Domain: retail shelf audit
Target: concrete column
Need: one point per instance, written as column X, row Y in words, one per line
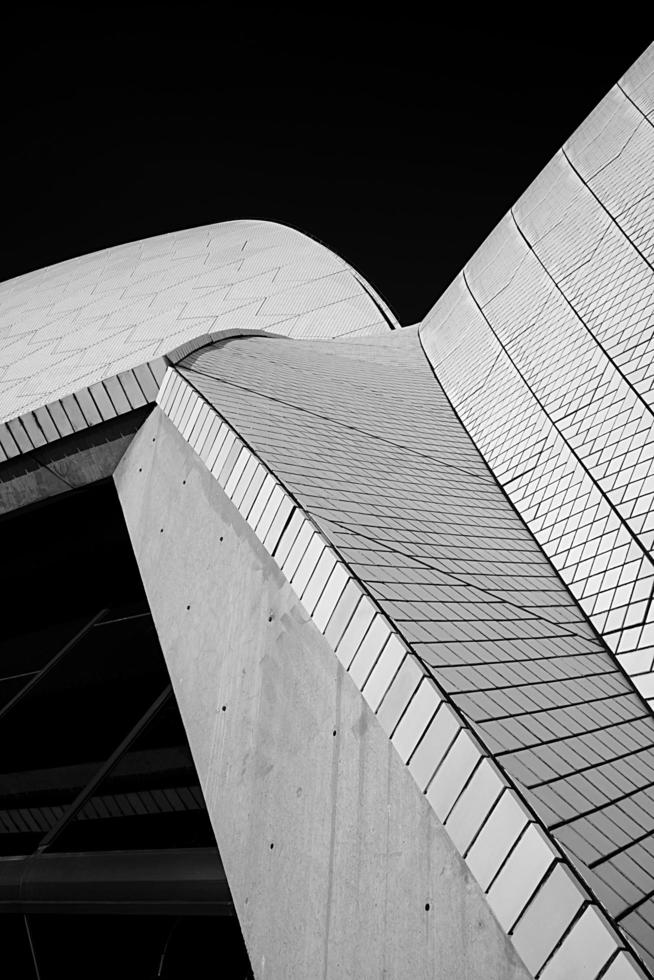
column 337, row 865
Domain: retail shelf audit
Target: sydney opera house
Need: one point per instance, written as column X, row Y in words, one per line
column 328, row 643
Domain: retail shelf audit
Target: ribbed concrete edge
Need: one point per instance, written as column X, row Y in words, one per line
column 557, row 928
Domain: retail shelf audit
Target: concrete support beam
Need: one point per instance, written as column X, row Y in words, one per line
column 175, row 881
column 70, row 463
column 337, row 865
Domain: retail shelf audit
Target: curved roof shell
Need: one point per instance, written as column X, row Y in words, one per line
column 69, row 331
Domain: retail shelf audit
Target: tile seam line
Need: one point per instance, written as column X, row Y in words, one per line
column 622, row 149
column 484, row 380
column 610, row 962
column 517, row 660
column 594, row 250
column 630, row 753
column 539, row 711
column 500, row 600
column 634, row 103
column 325, row 418
column 585, row 905
column 634, row 537
column 602, row 806
column 634, row 907
column 606, row 210
column 549, row 681
column 647, row 408
column 563, row 738
column 509, row 781
column 617, row 851
column 596, row 634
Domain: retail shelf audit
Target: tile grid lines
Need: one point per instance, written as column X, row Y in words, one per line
column 460, row 580
column 610, row 359
column 354, row 428
column 222, row 398
column 618, row 85
column 602, row 806
column 648, row 708
column 563, row 738
column 635, row 905
column 418, row 561
column 629, row 753
column 447, row 760
column 606, row 210
column 613, row 509
column 618, row 850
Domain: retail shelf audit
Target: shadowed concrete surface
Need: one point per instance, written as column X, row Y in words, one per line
column 68, row 464
column 337, row 865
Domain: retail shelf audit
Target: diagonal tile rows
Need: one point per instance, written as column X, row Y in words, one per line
column 364, row 439
column 545, row 347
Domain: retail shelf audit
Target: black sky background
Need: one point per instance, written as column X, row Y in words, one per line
column 398, row 145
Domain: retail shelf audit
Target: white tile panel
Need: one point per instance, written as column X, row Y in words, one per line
column 384, row 671
column 545, row 347
column 585, row 951
column 521, row 873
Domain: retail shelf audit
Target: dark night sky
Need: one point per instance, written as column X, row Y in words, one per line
column 398, row 147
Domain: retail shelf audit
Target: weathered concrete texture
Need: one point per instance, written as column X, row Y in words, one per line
column 336, row 863
column 70, row 463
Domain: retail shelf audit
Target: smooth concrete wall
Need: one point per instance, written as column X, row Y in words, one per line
column 337, row 865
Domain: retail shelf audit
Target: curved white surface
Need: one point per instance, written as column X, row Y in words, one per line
column 545, row 346
column 67, row 328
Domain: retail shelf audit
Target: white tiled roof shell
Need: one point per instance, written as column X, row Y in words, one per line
column 545, row 346
column 70, row 326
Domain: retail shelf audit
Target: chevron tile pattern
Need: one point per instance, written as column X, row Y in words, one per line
column 85, row 340
column 544, row 345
